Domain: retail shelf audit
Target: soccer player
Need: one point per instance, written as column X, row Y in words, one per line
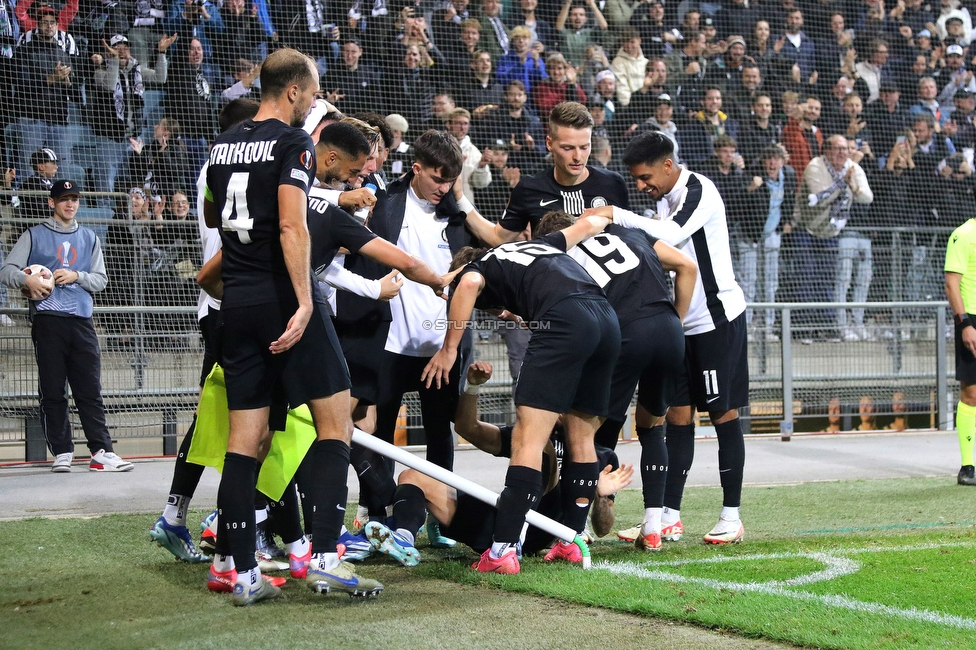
column 630, row 266
column 170, row 530
column 274, row 347
column 567, row 370
column 570, row 185
column 960, row 275
column 692, row 218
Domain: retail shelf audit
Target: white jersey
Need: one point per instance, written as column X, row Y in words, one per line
column 692, row 218
column 209, row 241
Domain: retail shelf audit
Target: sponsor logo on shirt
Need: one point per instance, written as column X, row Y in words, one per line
column 306, row 159
column 598, row 202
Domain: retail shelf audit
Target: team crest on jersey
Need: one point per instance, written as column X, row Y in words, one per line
column 598, row 202
column 67, row 254
column 306, row 159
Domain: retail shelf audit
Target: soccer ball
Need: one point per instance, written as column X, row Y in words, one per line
column 46, row 276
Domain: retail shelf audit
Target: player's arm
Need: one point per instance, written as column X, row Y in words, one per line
column 462, row 306
column 584, row 228
column 339, row 277
column 209, row 277
column 210, row 214
column 492, row 234
column 954, row 294
column 670, row 231
column 292, row 206
column 412, row 267
column 482, row 435
column 609, row 484
column 685, row 274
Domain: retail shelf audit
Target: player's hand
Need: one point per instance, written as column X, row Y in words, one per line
column 390, row 285
column 612, row 482
column 969, row 339
column 445, row 282
column 35, row 288
column 293, row 332
column 438, row 369
column 355, row 199
column 479, row 372
column 65, row 276
column 605, row 211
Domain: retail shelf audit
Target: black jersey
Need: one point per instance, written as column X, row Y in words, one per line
column 536, row 195
column 247, row 164
column 623, row 261
column 331, row 227
column 529, row 277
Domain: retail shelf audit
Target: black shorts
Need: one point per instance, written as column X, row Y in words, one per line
column 212, row 331
column 474, row 523
column 363, row 345
column 570, row 359
column 652, row 352
column 965, row 361
column 312, row 369
column 716, row 369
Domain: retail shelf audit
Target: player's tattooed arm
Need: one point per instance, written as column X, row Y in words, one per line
column 482, row 435
column 462, row 306
column 685, row 274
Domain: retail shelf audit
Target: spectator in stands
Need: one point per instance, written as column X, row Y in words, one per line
column 491, row 201
column 561, row 86
column 760, row 131
column 955, row 32
column 917, row 15
column 931, row 148
column 353, row 86
column 956, row 187
column 539, row 29
column 629, row 66
column 304, row 25
column 759, row 232
column 727, row 71
column 833, row 46
column 760, row 49
column 725, row 168
column 162, row 166
column 796, row 46
column 598, row 111
column 595, row 63
column 865, row 411
column 686, row 68
column 116, row 99
column 852, row 122
column 961, row 127
column 697, row 137
column 44, row 162
column 461, row 50
column 736, row 17
column 833, row 416
column 801, row 136
column 656, row 38
column 475, row 172
column 30, row 21
column 246, row 76
column 442, row 106
column 515, row 125
column 745, row 92
column 644, row 101
column 875, row 71
column 494, row 36
column 401, row 152
column 603, row 94
column 954, row 9
column 192, row 100
column 899, row 409
column 927, row 103
column 575, row 36
column 854, row 249
column 46, row 78
column 146, row 27
column 886, row 117
column 196, row 20
column 412, row 87
column 446, row 23
column 243, row 36
column 481, row 93
column 955, row 77
column 523, row 62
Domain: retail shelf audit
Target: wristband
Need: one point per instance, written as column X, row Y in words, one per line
column 964, row 321
column 465, row 205
column 472, row 389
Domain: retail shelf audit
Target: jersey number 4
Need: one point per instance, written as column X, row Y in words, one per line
column 235, row 215
column 607, row 255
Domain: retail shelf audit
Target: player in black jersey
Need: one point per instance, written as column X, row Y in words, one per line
column 630, row 266
column 267, row 306
column 570, row 185
column 567, row 370
column 469, row 520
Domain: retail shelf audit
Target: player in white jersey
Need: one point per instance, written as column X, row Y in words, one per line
column 691, row 216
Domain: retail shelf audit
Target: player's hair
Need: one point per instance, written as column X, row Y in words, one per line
column 346, row 138
column 439, row 150
column 464, row 257
column 376, row 121
column 284, row 68
column 649, row 148
column 236, row 111
column 371, row 134
column 724, row 141
column 571, row 115
column 553, row 221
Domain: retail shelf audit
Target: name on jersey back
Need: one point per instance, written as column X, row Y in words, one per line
column 236, row 153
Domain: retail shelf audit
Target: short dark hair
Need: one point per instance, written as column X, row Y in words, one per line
column 515, row 84
column 750, row 64
column 724, row 141
column 772, row 151
column 236, row 111
column 691, row 35
column 346, row 138
column 376, row 121
column 462, row 258
column 648, row 148
column 553, row 221
column 571, row 115
column 924, row 117
column 439, row 150
column 283, row 68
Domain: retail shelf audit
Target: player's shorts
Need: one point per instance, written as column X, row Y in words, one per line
column 212, row 330
column 652, row 352
column 474, row 523
column 312, row 369
column 716, row 374
column 362, row 345
column 570, row 359
column 965, row 361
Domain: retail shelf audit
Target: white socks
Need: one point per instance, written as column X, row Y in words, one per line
column 260, row 515
column 298, row 548
column 249, row 578
column 175, row 511
column 223, row 563
column 669, row 516
column 730, row 514
column 499, row 549
column 652, row 520
column 327, row 561
column 405, row 534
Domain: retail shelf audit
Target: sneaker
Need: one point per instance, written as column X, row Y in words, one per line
column 208, row 534
column 298, row 565
column 565, row 551
column 176, row 540
column 269, row 564
column 726, row 532
column 672, row 532
column 629, row 535
column 62, row 463
column 434, row 535
column 357, row 546
column 389, row 542
column 341, row 578
column 106, row 461
column 967, row 475
column 221, row 582
column 507, row 564
column 246, row 596
column 649, row 542
column 587, row 533
column 265, row 542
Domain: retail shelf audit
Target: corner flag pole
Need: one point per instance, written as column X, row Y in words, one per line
column 457, row 482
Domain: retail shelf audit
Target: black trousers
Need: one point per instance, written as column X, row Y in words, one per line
column 67, row 351
column 401, row 374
